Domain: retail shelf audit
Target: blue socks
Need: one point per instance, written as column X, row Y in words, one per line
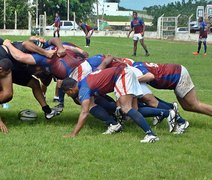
column 152, row 112
column 100, row 113
column 139, row 119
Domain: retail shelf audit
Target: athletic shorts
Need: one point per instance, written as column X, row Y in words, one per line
column 202, row 39
column 21, row 76
column 185, row 83
column 137, row 37
column 81, row 71
column 127, row 83
column 90, row 33
column 143, row 86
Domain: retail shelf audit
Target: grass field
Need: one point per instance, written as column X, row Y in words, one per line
column 37, row 150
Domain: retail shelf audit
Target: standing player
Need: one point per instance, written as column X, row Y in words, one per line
column 57, row 25
column 203, row 34
column 138, row 26
column 88, row 30
column 119, row 79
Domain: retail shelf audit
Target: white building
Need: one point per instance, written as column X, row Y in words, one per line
column 111, row 9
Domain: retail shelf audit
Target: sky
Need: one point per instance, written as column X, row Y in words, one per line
column 140, row 4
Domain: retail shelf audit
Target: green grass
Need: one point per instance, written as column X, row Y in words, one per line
column 37, row 150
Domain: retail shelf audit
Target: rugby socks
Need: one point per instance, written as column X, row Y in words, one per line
column 205, row 47
column 100, row 113
column 139, row 119
column 46, row 109
column 61, row 95
column 152, row 112
column 87, row 42
column 165, row 105
column 109, row 106
column 199, row 46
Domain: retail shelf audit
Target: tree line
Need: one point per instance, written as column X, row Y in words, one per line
column 184, row 8
column 82, row 9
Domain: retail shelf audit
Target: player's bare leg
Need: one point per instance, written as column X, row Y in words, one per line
column 135, row 48
column 191, row 103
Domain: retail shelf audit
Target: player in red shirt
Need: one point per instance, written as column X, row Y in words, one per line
column 119, row 79
column 88, row 30
column 57, row 25
column 203, row 34
column 138, row 26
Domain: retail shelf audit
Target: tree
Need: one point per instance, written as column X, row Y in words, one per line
column 174, row 9
column 21, row 7
column 82, row 8
column 116, row 1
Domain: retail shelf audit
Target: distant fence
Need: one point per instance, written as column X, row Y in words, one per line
column 148, row 34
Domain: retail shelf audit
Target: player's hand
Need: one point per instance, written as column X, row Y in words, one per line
column 61, row 52
column 3, row 127
column 50, row 53
column 7, row 42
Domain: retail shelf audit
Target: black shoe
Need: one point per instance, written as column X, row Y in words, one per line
column 134, row 54
column 147, row 54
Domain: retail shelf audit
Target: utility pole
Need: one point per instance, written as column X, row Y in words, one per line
column 36, row 19
column 4, row 14
column 68, row 10
column 97, row 13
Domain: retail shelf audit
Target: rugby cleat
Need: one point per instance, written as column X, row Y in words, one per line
column 113, row 129
column 180, row 128
column 171, row 119
column 149, row 139
column 52, row 114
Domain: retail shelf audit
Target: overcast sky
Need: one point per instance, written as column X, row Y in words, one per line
column 140, row 4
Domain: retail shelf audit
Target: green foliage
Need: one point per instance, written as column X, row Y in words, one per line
column 38, row 150
column 81, row 8
column 20, row 7
column 116, row 18
column 174, row 9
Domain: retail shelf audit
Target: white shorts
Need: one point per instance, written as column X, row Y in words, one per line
column 56, row 28
column 137, row 37
column 127, row 83
column 81, row 71
column 90, row 33
column 185, row 84
column 202, row 39
column 143, row 86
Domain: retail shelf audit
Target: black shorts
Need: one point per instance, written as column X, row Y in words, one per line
column 3, row 53
column 21, row 76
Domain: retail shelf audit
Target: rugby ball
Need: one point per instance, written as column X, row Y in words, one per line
column 27, row 115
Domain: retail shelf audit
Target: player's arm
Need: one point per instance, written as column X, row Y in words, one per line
column 85, row 107
column 58, row 43
column 146, row 77
column 19, row 55
column 144, row 27
column 6, row 88
column 3, row 127
column 30, row 46
column 76, row 50
column 131, row 29
column 107, row 60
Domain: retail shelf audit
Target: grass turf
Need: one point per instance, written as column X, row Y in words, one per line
column 37, row 150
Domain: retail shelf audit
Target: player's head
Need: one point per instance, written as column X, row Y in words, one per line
column 200, row 19
column 69, row 86
column 135, row 14
column 5, row 67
